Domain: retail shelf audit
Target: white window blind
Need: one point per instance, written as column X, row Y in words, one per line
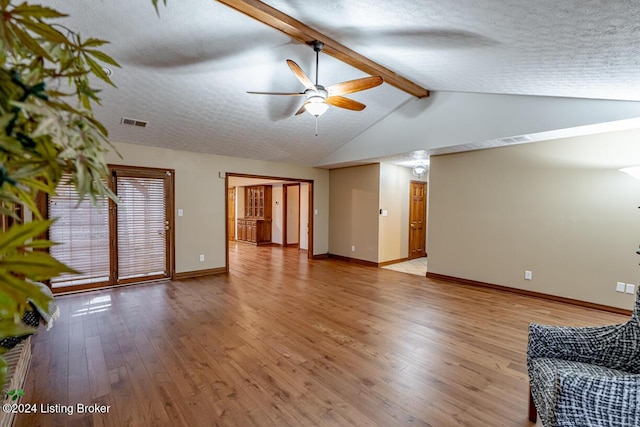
column 83, row 233
column 142, row 242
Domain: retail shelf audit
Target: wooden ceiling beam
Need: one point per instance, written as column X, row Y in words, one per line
column 305, row 34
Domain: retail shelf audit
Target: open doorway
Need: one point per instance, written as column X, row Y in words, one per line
column 269, row 212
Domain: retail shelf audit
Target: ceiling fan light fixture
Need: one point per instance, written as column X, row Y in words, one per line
column 316, row 106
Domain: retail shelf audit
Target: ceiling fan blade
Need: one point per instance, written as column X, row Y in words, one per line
column 277, row 93
column 304, row 79
column 354, row 85
column 349, row 104
column 302, row 109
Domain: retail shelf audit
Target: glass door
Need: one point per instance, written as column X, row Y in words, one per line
column 142, row 223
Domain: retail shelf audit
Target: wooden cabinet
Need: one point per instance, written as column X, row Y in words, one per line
column 255, row 227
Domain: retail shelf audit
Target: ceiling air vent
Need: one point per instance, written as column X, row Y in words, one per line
column 133, row 122
column 515, row 140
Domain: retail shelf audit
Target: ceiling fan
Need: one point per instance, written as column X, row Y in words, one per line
column 318, row 97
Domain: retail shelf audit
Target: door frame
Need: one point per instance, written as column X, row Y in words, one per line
column 274, row 178
column 142, row 172
column 235, row 237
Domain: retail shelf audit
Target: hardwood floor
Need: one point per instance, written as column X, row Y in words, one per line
column 282, row 340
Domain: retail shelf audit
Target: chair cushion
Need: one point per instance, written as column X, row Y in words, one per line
column 545, row 386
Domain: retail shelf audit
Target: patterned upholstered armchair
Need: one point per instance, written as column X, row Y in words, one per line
column 585, row 376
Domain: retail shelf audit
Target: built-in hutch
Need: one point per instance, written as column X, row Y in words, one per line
column 255, row 227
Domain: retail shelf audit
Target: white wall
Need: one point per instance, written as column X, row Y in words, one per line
column 201, row 194
column 452, row 118
column 354, row 212
column 560, row 209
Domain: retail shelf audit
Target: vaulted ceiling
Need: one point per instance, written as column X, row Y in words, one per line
column 187, row 70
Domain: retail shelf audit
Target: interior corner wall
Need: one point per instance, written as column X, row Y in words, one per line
column 293, row 215
column 276, row 213
column 393, row 229
column 201, row 194
column 353, row 209
column 304, row 215
column 560, row 209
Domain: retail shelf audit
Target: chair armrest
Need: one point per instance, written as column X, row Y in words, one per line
column 590, row 400
column 579, row 344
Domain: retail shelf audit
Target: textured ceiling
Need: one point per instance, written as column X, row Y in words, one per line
column 572, row 48
column 187, row 72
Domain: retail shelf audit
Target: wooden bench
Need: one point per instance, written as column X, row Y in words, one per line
column 18, row 360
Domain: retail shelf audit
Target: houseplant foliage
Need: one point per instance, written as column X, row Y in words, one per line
column 47, row 130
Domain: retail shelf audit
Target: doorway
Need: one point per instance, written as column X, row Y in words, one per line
column 417, row 219
column 302, row 188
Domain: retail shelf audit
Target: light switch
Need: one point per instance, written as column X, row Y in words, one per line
column 180, row 212
column 631, row 288
column 384, row 212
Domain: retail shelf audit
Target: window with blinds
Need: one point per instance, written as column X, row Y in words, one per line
column 142, row 227
column 83, row 233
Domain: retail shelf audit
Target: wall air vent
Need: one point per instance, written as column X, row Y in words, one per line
column 133, row 122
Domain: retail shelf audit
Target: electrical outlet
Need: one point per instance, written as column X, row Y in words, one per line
column 630, row 288
column 528, row 275
column 201, row 257
column 353, row 248
column 620, row 287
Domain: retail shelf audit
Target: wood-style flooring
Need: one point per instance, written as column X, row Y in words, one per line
column 284, row 341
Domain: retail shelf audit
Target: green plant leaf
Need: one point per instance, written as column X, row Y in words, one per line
column 97, row 70
column 37, row 11
column 27, row 199
column 91, row 42
column 46, row 31
column 40, row 244
column 35, row 265
column 101, row 56
column 9, row 328
column 29, row 42
column 20, row 291
column 20, row 233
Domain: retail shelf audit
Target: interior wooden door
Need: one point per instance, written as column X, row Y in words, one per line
column 417, row 219
column 231, row 214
